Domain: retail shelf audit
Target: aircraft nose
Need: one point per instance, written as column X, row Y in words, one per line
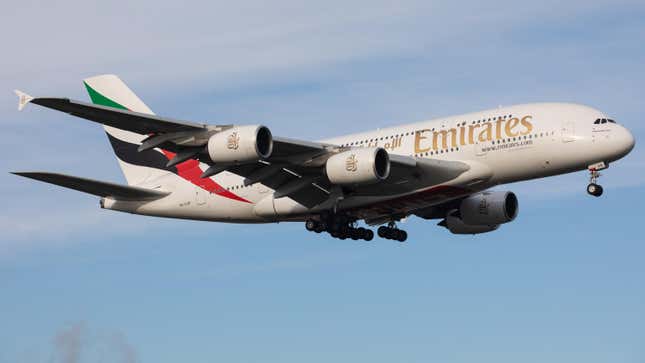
column 624, row 141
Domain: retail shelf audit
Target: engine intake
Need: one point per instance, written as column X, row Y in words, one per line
column 489, row 208
column 358, row 166
column 240, row 144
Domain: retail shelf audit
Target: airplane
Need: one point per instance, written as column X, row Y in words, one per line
column 442, row 169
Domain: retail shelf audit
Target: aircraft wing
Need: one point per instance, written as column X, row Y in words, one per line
column 166, row 132
column 304, row 180
column 295, row 168
column 139, row 123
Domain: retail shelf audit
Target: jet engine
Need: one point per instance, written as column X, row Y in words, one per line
column 456, row 226
column 489, row 208
column 481, row 213
column 240, row 144
column 358, row 166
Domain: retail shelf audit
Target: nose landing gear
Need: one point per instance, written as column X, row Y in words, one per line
column 593, row 188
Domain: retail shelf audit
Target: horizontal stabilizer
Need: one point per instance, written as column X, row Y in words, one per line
column 95, row 187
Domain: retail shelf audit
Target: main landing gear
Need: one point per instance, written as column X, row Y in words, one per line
column 342, row 227
column 593, row 188
column 339, row 228
column 391, row 232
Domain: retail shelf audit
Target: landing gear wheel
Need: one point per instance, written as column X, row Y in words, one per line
column 393, row 233
column 360, row 233
column 311, row 225
column 402, row 235
column 355, row 234
column 382, row 231
column 368, row 235
column 594, row 189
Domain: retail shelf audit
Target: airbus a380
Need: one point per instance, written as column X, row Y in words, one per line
column 439, row 169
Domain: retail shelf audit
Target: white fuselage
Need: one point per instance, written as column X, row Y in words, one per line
column 501, row 145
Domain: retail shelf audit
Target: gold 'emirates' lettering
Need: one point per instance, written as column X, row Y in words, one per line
column 510, row 125
column 395, row 143
column 418, row 136
column 527, row 124
column 444, row 138
column 486, row 131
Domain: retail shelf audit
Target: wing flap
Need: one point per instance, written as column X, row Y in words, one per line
column 95, row 187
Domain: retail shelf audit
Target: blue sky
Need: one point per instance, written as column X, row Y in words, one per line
column 562, row 283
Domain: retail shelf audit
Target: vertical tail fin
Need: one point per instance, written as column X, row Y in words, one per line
column 109, row 90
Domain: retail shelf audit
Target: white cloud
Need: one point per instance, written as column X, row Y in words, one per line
column 173, row 42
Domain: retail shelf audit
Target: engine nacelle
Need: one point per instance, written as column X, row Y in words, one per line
column 489, row 208
column 358, row 166
column 240, row 144
column 457, row 226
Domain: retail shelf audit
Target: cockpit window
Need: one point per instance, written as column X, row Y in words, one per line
column 603, row 121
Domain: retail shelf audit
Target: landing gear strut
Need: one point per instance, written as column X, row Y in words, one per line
column 391, row 232
column 593, row 188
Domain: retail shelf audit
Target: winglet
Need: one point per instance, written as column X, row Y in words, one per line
column 23, row 99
